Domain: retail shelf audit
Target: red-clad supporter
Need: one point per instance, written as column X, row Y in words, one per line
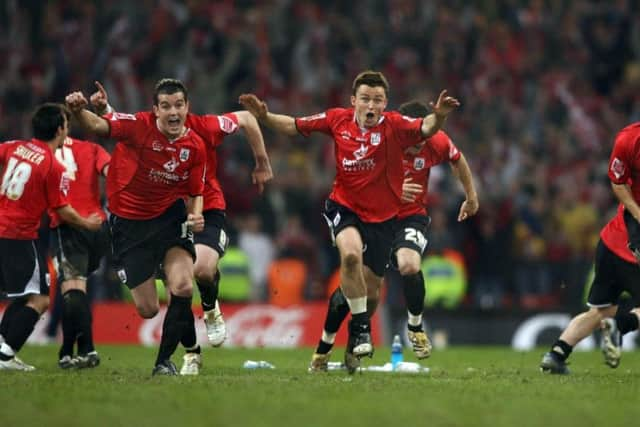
column 365, row 199
column 77, row 252
column 32, row 181
column 157, row 164
column 409, row 241
column 616, row 265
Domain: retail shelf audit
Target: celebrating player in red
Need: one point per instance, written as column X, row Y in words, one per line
column 157, row 163
column 365, row 199
column 616, row 265
column 32, row 181
column 77, row 252
column 409, row 243
column 212, row 242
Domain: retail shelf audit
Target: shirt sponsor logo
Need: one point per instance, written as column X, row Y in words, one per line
column 184, row 154
column 375, row 138
column 617, row 167
column 418, row 163
column 166, row 177
column 358, row 165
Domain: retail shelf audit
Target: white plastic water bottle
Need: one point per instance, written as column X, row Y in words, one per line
column 259, row 364
column 396, row 352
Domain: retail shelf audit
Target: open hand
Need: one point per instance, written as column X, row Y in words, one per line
column 254, row 105
column 410, row 190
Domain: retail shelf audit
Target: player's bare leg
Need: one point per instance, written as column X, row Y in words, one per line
column 349, row 243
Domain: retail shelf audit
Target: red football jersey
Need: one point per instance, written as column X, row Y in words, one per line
column 438, row 149
column 32, row 181
column 84, row 162
column 148, row 172
column 212, row 129
column 624, row 168
column 368, row 160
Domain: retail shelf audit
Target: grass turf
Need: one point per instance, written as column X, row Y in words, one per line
column 473, row 386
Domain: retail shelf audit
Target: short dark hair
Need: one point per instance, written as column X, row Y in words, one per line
column 414, row 109
column 371, row 78
column 169, row 87
column 47, row 119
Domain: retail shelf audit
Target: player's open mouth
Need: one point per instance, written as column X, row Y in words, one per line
column 174, row 122
column 370, row 115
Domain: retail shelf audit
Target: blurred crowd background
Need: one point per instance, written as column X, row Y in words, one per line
column 544, row 86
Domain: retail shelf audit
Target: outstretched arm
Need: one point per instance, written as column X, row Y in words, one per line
column 278, row 122
column 262, row 171
column 462, row 171
column 77, row 103
column 441, row 109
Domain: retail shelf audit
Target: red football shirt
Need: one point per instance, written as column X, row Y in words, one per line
column 84, row 162
column 148, row 172
column 368, row 160
column 32, row 181
column 624, row 168
column 438, row 149
column 212, row 129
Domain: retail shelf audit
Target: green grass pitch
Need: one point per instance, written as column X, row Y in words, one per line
column 467, row 386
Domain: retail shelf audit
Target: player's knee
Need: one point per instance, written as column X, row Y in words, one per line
column 408, row 267
column 204, row 273
column 148, row 310
column 351, row 263
column 183, row 288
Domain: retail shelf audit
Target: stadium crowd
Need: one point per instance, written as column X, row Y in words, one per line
column 544, row 86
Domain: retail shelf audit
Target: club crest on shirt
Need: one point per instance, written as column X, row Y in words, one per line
column 122, row 275
column 156, row 146
column 617, row 167
column 418, row 163
column 375, row 138
column 184, row 154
